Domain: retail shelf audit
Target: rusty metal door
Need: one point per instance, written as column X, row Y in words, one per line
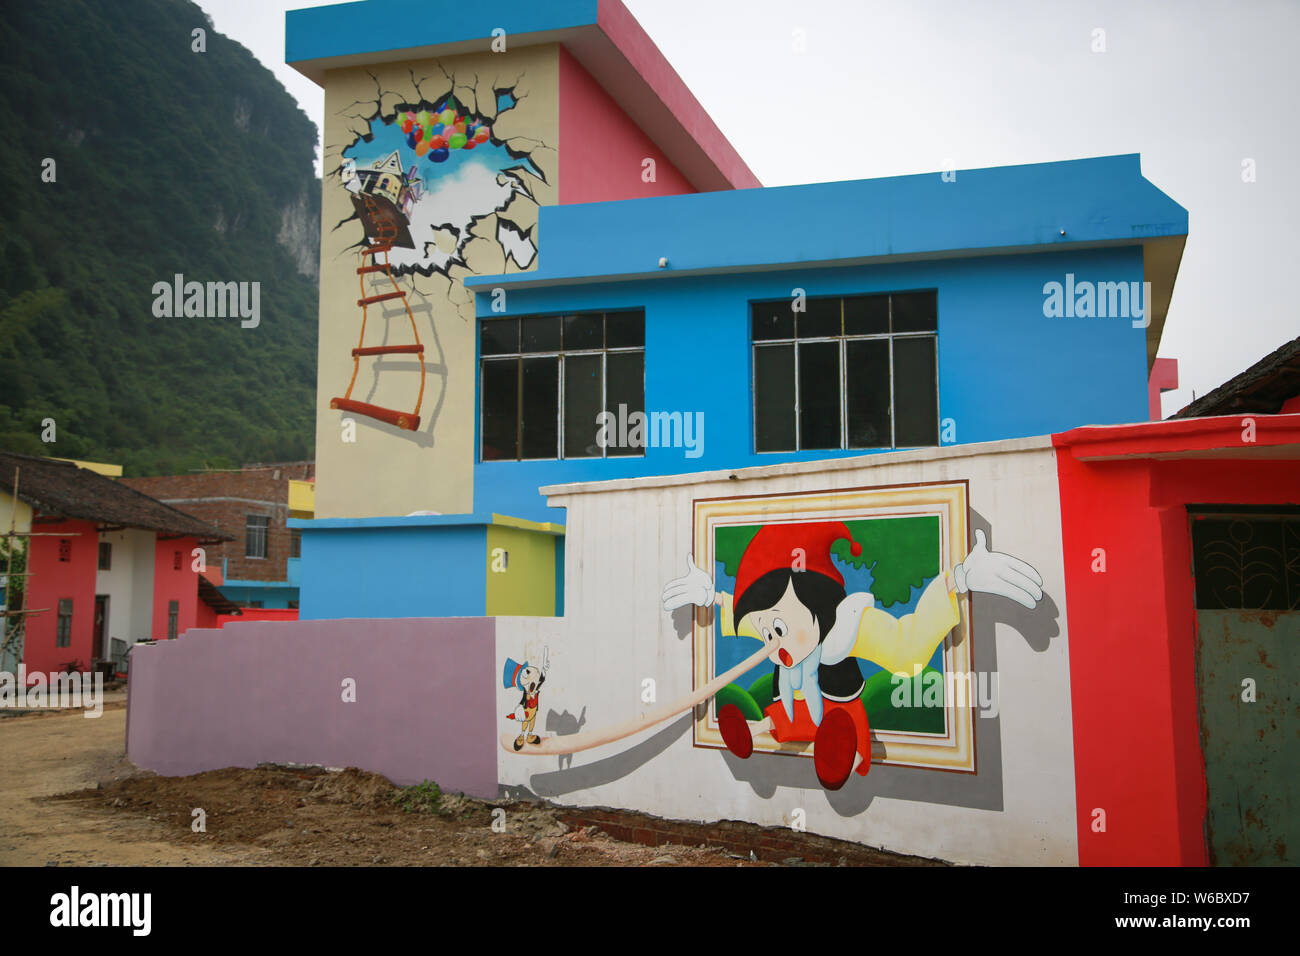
column 1247, row 567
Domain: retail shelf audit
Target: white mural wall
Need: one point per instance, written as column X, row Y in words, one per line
column 617, row 655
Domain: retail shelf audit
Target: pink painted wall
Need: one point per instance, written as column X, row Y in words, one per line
column 1163, row 378
column 601, row 149
column 53, row 579
column 718, row 160
column 169, row 584
column 272, row 691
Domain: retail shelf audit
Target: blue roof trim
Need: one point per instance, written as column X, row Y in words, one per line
column 1101, row 200
column 375, row 26
column 391, row 521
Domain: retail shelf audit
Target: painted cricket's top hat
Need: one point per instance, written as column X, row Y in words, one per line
column 510, row 676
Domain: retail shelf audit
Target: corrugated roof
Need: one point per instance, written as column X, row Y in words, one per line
column 61, row 489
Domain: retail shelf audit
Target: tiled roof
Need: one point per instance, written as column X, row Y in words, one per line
column 63, row 490
column 1263, row 388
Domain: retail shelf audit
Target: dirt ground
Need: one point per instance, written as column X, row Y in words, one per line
column 69, row 796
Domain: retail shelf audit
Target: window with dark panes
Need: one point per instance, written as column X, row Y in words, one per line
column 295, row 542
column 544, row 381
column 63, row 628
column 173, row 619
column 105, row 556
column 847, row 372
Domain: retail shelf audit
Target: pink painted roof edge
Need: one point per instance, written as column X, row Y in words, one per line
column 641, row 53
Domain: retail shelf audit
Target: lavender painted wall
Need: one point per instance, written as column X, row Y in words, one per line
column 272, row 691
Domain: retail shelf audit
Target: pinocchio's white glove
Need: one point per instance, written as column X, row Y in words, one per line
column 993, row 572
column 694, row 587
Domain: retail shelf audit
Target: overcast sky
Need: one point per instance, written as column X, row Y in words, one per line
column 904, row 86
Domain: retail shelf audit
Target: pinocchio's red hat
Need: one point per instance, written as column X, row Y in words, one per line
column 774, row 548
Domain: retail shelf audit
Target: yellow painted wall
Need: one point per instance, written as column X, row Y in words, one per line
column 388, row 471
column 302, row 498
column 24, row 517
column 527, row 586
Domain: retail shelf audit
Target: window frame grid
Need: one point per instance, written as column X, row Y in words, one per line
column 265, row 536
column 518, row 359
column 843, row 339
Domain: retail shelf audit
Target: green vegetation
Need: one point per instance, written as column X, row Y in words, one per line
column 167, row 161
column 422, row 797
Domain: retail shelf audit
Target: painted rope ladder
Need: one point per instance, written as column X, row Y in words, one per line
column 386, row 233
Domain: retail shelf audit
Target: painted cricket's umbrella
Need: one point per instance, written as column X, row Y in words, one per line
column 572, row 743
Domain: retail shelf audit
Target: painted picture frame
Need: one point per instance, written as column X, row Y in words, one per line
column 910, row 535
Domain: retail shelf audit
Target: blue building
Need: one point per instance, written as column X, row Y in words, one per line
column 583, row 324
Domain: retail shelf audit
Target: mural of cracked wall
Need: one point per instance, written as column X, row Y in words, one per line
column 436, row 175
column 434, row 171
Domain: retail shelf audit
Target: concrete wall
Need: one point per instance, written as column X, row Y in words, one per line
column 225, row 499
column 174, row 583
column 394, row 567
column 129, row 618
column 1005, row 371
column 1137, row 605
column 626, row 539
column 264, row 691
column 387, row 470
column 521, row 572
column 601, row 150
column 52, row 580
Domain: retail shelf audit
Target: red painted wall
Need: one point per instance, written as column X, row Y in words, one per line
column 53, row 579
column 601, row 149
column 1133, row 629
column 170, row 584
column 206, row 617
column 257, row 614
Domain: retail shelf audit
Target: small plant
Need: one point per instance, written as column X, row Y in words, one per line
column 422, row 797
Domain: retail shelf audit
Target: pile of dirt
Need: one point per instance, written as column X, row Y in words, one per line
column 312, row 816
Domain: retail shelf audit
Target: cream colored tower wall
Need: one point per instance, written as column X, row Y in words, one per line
column 470, row 220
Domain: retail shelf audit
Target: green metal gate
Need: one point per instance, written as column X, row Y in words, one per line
column 1247, row 567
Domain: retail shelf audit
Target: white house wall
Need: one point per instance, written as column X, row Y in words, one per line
column 626, row 539
column 129, row 586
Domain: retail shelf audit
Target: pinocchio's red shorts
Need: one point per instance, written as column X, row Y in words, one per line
column 802, row 727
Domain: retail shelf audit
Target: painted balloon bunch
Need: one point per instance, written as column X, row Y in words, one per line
column 438, row 133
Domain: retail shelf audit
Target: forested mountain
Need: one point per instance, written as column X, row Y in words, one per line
column 166, row 161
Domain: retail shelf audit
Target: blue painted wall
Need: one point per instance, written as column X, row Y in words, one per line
column 400, row 569
column 1036, row 207
column 1005, row 371
column 271, row 596
column 346, row 29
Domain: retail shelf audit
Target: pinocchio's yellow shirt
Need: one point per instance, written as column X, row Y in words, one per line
column 907, row 643
column 895, row 643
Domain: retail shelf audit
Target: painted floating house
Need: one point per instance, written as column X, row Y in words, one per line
column 834, row 506
column 107, row 566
